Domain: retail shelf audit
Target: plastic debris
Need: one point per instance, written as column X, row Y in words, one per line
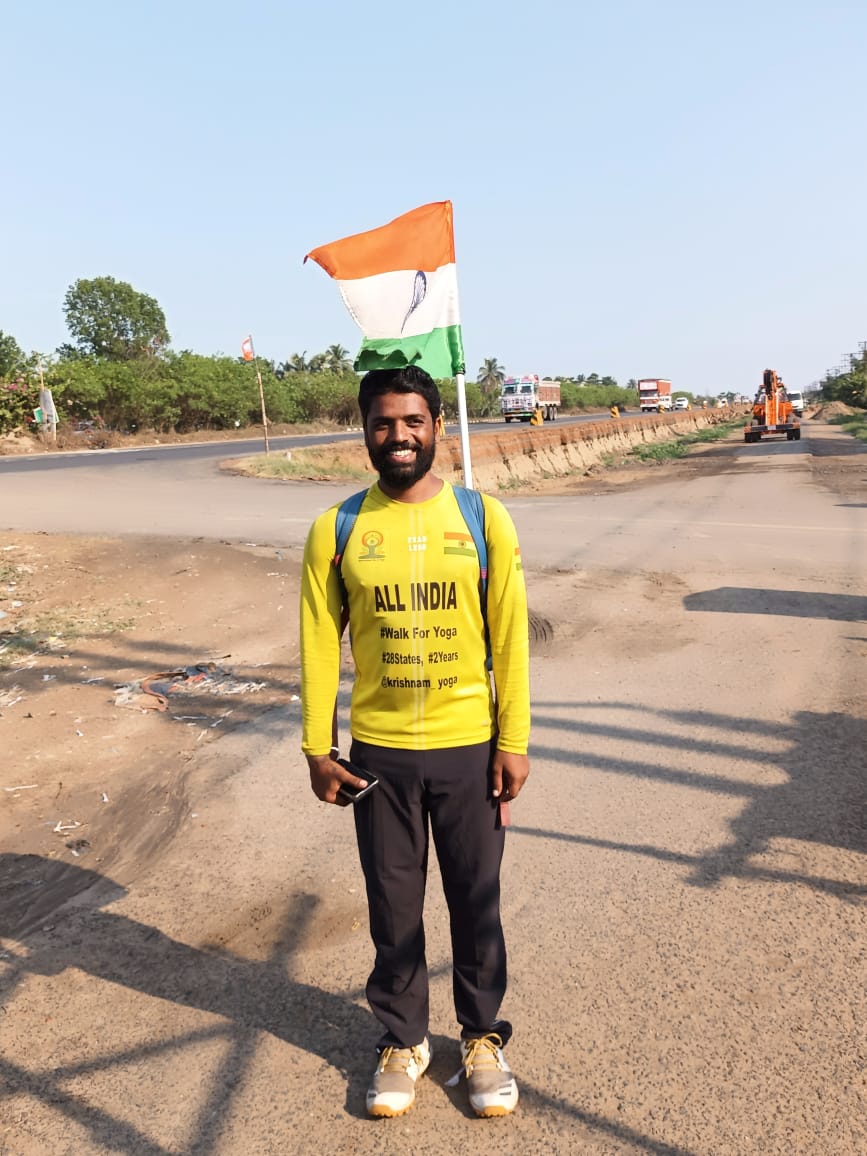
column 153, row 691
column 104, row 797
column 61, row 828
column 28, row 787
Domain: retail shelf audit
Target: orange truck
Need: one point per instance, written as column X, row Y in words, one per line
column 654, row 395
column 772, row 412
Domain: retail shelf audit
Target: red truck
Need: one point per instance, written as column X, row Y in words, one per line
column 654, row 395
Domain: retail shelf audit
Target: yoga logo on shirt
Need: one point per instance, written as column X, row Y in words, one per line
column 371, row 540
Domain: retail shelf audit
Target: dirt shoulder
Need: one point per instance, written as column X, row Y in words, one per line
column 685, row 883
column 94, row 776
column 91, row 773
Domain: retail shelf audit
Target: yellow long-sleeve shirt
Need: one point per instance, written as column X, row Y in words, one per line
column 418, row 641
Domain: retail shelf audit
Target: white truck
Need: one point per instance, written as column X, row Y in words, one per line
column 523, row 397
column 654, row 395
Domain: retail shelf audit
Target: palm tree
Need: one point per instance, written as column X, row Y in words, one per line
column 317, row 363
column 337, row 359
column 297, row 363
column 491, row 376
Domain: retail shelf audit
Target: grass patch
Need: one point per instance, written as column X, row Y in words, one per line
column 513, row 483
column 49, row 633
column 681, row 444
column 300, row 466
column 852, row 423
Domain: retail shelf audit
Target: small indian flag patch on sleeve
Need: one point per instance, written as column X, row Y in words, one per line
column 519, row 565
column 458, row 543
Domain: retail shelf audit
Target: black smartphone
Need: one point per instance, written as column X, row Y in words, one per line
column 353, row 794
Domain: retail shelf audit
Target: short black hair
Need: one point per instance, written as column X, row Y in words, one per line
column 408, row 379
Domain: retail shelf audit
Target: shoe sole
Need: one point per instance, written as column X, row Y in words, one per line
column 382, row 1112
column 494, row 1110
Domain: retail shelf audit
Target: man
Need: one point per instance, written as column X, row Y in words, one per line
column 425, row 721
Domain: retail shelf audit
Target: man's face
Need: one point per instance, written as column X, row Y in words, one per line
column 400, row 438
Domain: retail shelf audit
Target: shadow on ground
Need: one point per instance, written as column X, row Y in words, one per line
column 823, row 799
column 249, row 997
column 791, row 603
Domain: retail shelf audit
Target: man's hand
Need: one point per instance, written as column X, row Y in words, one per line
column 508, row 775
column 326, row 777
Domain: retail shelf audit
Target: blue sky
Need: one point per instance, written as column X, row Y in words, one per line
column 642, row 189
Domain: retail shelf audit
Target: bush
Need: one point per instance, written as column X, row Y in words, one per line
column 18, row 399
column 596, row 396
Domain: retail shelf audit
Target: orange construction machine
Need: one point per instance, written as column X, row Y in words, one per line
column 772, row 412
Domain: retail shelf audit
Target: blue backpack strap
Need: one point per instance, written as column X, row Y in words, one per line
column 473, row 509
column 347, row 512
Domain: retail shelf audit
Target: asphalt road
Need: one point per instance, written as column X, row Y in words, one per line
column 113, row 459
column 685, row 880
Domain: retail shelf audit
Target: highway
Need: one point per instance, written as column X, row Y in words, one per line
column 217, row 450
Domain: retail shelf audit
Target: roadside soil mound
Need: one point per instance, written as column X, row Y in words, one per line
column 93, row 775
column 831, row 409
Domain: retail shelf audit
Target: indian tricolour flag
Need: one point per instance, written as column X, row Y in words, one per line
column 400, row 284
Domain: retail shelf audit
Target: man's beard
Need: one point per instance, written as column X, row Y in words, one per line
column 402, row 475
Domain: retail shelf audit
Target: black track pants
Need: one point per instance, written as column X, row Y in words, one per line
column 450, row 791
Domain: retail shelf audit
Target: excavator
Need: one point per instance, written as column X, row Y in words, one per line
column 772, row 411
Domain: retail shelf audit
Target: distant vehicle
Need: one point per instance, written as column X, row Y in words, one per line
column 522, row 397
column 772, row 412
column 721, row 402
column 654, row 394
column 681, row 403
column 796, row 399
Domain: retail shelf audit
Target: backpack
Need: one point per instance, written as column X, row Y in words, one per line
column 473, row 509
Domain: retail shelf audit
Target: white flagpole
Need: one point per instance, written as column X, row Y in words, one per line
column 252, row 358
column 465, row 431
column 262, row 403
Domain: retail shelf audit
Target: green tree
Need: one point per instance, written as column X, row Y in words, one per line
column 11, row 356
column 491, row 376
column 337, row 360
column 850, row 386
column 297, row 363
column 110, row 319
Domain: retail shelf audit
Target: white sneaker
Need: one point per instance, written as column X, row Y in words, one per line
column 392, row 1090
column 490, row 1083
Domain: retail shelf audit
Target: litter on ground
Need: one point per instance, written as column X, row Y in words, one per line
column 154, row 691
